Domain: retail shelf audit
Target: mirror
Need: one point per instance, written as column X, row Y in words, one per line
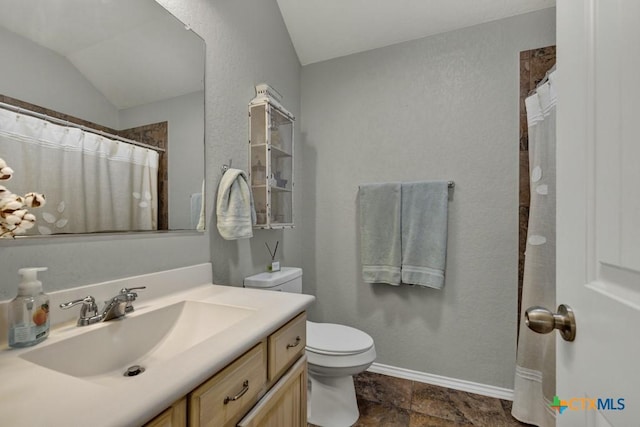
column 126, row 68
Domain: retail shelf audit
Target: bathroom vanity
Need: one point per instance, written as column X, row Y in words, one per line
column 262, row 378
column 213, row 356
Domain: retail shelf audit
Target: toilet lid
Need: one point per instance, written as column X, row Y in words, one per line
column 336, row 339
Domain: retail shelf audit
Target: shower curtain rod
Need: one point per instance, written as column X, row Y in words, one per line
column 75, row 125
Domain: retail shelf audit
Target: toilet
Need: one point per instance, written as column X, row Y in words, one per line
column 334, row 354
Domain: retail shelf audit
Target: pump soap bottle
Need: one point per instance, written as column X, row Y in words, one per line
column 29, row 311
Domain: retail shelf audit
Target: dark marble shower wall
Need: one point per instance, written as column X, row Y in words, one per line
column 533, row 66
column 156, row 135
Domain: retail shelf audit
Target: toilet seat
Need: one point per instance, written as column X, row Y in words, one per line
column 336, row 350
column 336, row 340
column 334, row 354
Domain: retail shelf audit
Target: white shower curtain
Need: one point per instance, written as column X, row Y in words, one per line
column 91, row 183
column 534, row 387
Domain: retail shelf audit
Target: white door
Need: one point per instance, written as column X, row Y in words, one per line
column 598, row 211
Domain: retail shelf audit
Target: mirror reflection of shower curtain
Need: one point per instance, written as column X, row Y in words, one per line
column 534, row 386
column 91, row 183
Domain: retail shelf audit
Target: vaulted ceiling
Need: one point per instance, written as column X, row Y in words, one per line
column 107, row 41
column 325, row 29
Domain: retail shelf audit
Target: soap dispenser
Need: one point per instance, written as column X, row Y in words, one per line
column 29, row 311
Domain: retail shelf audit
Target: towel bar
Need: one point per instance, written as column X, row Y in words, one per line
column 450, row 184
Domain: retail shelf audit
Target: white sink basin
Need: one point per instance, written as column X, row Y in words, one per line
column 103, row 354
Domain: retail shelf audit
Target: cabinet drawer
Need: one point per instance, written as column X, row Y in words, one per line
column 224, row 398
column 286, row 344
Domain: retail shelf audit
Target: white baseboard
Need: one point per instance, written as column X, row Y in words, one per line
column 456, row 384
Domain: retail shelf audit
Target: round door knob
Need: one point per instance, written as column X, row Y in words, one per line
column 543, row 321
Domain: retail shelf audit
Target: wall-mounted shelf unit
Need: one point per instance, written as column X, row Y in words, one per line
column 271, row 144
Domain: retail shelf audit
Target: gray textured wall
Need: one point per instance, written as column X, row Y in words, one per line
column 443, row 107
column 247, row 43
column 440, row 107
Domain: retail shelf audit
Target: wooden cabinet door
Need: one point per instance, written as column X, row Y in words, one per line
column 174, row 416
column 285, row 405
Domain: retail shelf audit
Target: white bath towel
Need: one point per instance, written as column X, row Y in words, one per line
column 380, row 233
column 201, row 218
column 424, row 232
column 196, row 210
column 234, row 208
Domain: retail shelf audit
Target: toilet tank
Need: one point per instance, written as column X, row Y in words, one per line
column 288, row 279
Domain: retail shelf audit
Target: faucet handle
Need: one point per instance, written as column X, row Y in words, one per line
column 88, row 303
column 89, row 307
column 131, row 296
column 128, row 290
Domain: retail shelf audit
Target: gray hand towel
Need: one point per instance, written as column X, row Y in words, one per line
column 424, row 232
column 380, row 232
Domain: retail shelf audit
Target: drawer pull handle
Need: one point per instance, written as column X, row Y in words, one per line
column 245, row 388
column 298, row 339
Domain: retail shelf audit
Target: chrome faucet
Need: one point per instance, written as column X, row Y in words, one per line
column 115, row 308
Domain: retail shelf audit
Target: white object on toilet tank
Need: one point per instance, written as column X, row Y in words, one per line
column 288, row 279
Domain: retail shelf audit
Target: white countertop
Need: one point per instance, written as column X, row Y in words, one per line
column 32, row 395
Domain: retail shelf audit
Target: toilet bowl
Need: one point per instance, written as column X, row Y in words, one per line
column 334, row 354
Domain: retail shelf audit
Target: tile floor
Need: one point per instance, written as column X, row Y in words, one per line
column 386, row 401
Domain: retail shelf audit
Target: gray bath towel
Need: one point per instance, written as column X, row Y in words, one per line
column 234, row 207
column 380, row 233
column 424, row 232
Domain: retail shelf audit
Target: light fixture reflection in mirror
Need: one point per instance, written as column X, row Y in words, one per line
column 127, row 68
